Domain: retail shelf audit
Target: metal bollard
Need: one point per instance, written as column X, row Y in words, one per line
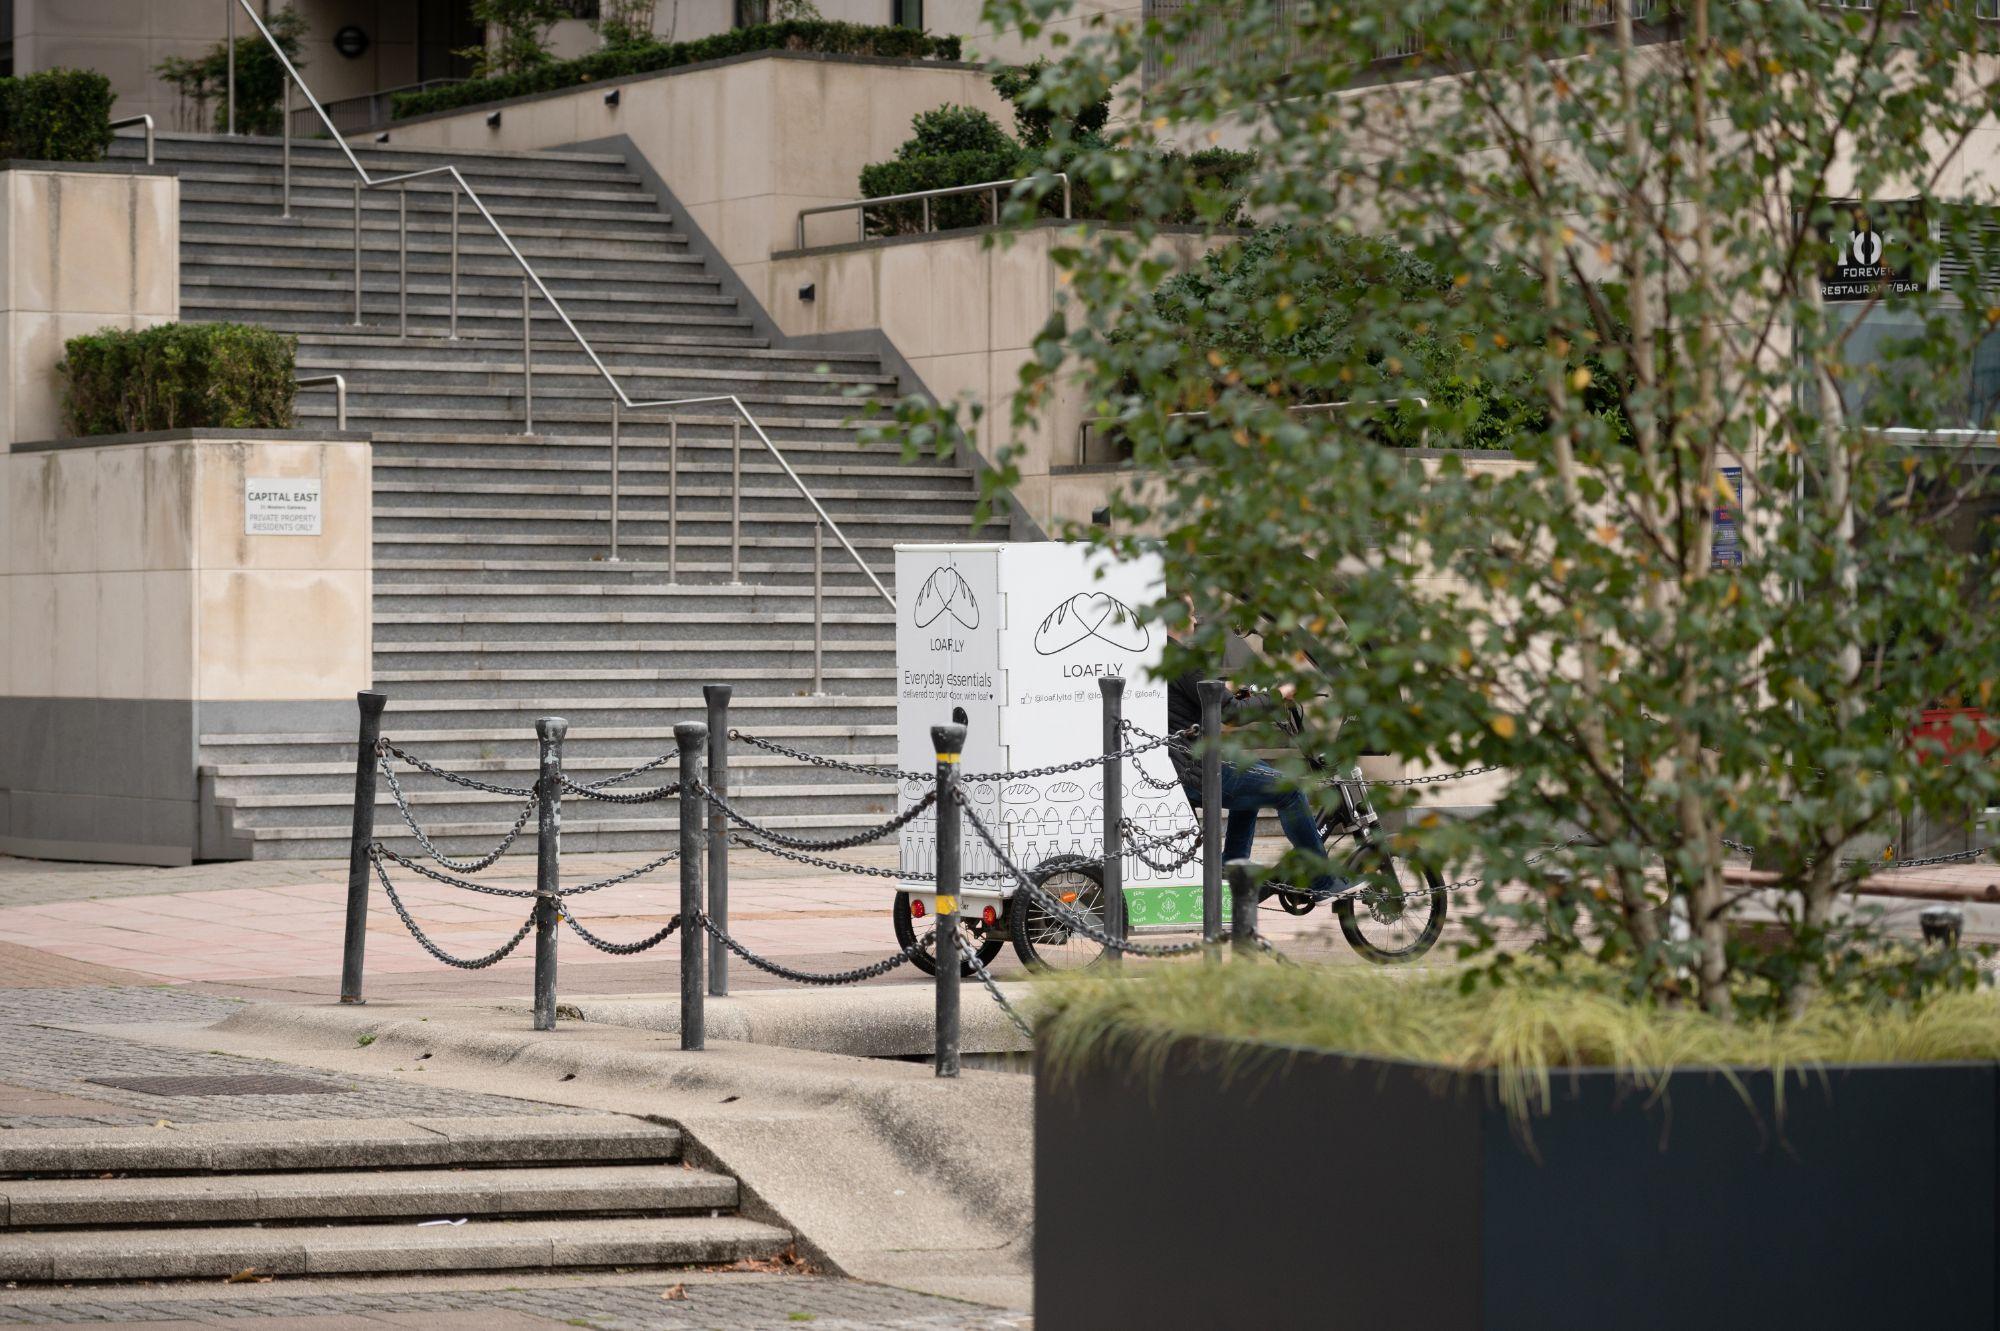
column 1212, row 692
column 718, row 834
column 370, row 704
column 1942, row 925
column 1242, row 906
column 692, row 737
column 548, row 867
column 949, row 741
column 1112, row 690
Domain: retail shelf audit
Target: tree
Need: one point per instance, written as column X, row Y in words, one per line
column 626, row 22
column 517, row 35
column 1741, row 551
column 260, row 79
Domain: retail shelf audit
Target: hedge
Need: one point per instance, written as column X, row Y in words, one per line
column 178, row 376
column 906, row 176
column 58, row 115
column 822, row 36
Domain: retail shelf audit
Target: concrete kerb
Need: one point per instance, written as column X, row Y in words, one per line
column 883, row 1171
column 882, row 1021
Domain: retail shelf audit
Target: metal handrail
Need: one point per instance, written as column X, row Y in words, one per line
column 620, row 398
column 861, row 206
column 147, row 121
column 1083, row 427
column 339, row 382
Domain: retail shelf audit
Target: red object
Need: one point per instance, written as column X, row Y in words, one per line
column 990, row 915
column 1939, row 726
column 916, row 909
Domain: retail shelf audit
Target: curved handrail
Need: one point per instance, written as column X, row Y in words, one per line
column 624, row 399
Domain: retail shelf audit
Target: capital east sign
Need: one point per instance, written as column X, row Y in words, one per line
column 1871, row 250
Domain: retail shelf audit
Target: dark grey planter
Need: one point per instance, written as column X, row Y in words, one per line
column 1256, row 1187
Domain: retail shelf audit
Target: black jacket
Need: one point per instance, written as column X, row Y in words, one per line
column 1183, row 713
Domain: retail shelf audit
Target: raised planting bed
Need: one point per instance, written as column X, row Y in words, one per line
column 1225, row 1183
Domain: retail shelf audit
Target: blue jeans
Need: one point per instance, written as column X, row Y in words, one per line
column 1248, row 790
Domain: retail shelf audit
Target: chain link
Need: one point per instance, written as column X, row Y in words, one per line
column 864, row 870
column 625, row 877
column 1435, row 779
column 895, row 824
column 383, row 745
column 458, row 866
column 416, row 867
column 784, row 972
column 621, row 796
column 592, row 787
column 968, row 948
column 462, row 963
column 620, row 949
column 835, row 764
column 1956, row 857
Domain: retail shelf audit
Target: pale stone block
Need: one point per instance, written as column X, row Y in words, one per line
column 121, row 646
column 31, row 634
column 157, row 249
column 96, row 244
column 73, row 531
column 168, row 633
column 221, row 542
column 958, row 294
column 34, row 226
column 851, row 288
column 169, row 507
column 281, row 634
column 74, row 630
column 188, row 18
column 30, row 512
column 118, row 509
column 1022, row 280
column 905, row 300
column 759, row 124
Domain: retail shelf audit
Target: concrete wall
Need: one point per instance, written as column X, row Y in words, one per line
column 81, row 248
column 963, row 310
column 135, row 606
column 125, row 39
column 743, row 143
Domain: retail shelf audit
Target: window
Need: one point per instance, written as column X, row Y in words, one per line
column 750, row 13
column 6, row 39
column 907, row 13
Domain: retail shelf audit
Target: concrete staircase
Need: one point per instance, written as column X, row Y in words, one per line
column 494, row 602
column 350, row 1197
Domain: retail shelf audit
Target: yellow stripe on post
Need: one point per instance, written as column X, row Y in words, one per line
column 947, row 905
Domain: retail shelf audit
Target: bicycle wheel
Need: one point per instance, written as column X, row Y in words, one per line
column 1044, row 940
column 1400, row 908
column 926, row 960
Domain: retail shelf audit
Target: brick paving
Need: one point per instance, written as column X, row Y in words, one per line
column 724, row 1303
column 48, row 1066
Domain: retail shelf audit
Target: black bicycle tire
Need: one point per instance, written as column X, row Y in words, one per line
column 1440, row 907
column 1023, row 901
column 924, row 959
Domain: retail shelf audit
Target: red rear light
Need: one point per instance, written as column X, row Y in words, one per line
column 990, row 915
column 916, row 909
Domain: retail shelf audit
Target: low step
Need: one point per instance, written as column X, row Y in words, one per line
column 484, row 1245
column 364, row 1195
column 412, row 1143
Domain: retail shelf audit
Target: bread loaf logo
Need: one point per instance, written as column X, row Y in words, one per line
column 945, row 593
column 1091, row 617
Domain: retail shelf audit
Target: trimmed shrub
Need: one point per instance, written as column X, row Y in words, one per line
column 907, row 175
column 824, row 37
column 953, row 129
column 178, row 376
column 58, row 115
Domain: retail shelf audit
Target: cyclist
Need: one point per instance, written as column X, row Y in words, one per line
column 1246, row 790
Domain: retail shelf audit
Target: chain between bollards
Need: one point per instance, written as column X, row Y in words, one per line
column 949, row 741
column 692, row 737
column 1112, row 690
column 355, row 944
column 548, row 866
column 717, row 696
column 1212, row 692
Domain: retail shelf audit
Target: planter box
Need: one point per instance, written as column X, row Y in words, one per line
column 1251, row 1186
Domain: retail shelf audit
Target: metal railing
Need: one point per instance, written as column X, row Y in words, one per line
column 531, row 285
column 1084, row 429
column 860, row 207
column 339, row 383
column 147, row 121
column 354, row 115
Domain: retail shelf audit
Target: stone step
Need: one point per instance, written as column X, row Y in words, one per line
column 35, row 1204
column 485, row 1245
column 183, row 145
column 312, row 1144
column 236, row 755
column 202, row 180
column 328, row 208
column 332, row 230
column 758, row 713
column 412, row 368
